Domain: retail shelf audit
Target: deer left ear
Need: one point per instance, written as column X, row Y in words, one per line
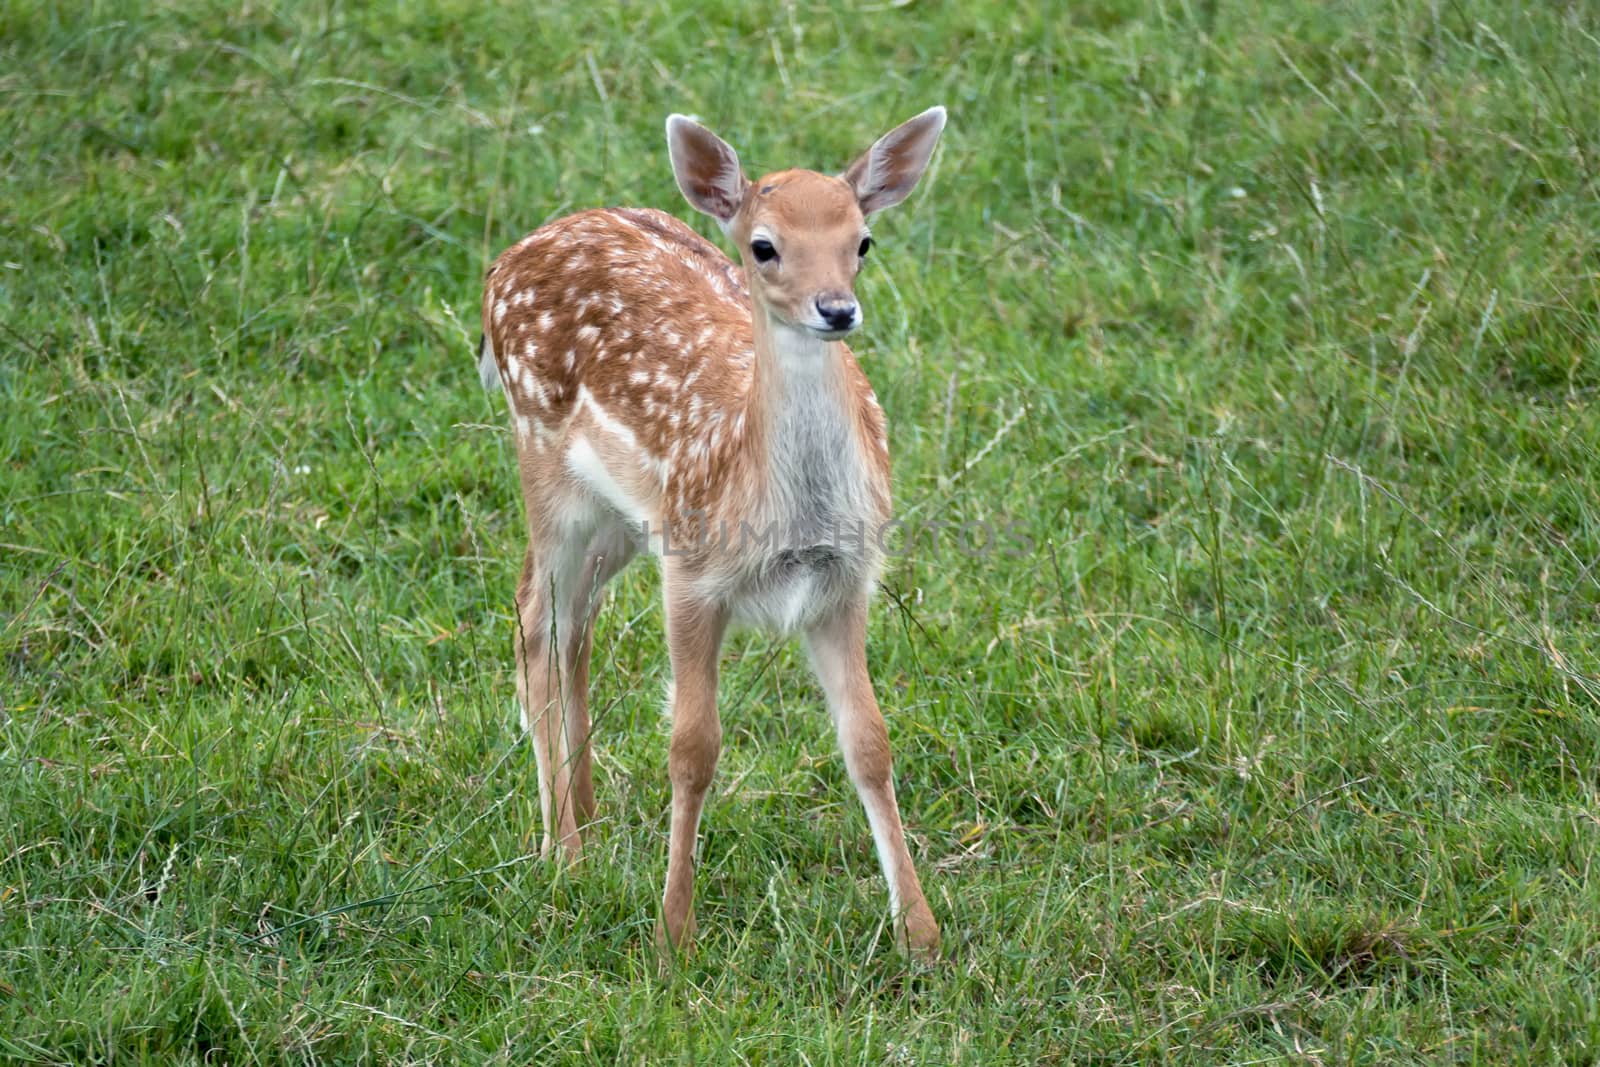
column 888, row 171
column 707, row 170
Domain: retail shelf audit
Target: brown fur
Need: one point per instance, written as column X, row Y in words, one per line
column 701, row 386
column 652, row 380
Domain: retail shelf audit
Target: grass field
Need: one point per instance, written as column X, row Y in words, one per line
column 1275, row 326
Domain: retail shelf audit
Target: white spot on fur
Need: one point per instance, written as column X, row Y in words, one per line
column 606, row 421
column 537, row 393
column 587, row 466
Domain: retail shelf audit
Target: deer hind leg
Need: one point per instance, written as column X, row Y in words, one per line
column 608, row 551
column 539, row 692
column 838, row 652
column 694, row 637
column 557, row 600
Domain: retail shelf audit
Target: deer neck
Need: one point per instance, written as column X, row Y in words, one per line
column 789, row 357
column 794, row 372
column 801, row 402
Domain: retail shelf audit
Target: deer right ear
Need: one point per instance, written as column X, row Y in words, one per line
column 706, row 168
column 886, row 173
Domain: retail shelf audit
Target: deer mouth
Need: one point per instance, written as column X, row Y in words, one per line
column 827, row 331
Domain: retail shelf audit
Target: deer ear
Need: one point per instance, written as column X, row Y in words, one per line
column 888, row 171
column 706, row 168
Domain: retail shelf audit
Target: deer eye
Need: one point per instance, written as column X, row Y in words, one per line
column 762, row 249
column 866, row 246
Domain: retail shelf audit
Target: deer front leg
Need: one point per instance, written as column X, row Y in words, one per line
column 839, row 654
column 694, row 636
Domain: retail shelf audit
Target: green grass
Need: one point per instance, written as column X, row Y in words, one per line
column 1276, row 326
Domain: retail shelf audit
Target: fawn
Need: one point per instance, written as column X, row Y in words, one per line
column 658, row 389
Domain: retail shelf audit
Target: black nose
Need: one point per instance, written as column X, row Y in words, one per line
column 839, row 313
